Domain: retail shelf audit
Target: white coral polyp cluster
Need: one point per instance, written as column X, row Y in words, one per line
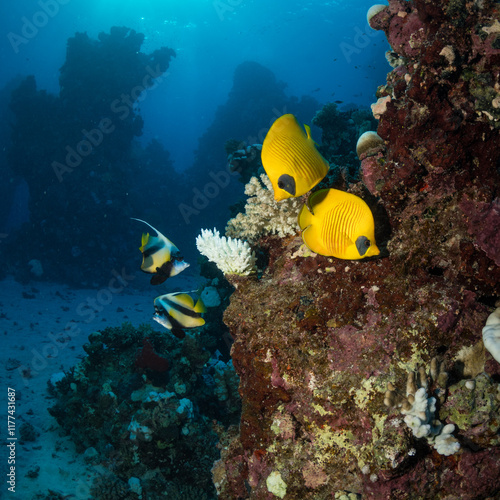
column 420, row 419
column 230, row 255
column 263, row 215
column 445, row 443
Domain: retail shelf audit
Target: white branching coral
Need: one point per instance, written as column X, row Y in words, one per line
column 263, row 215
column 231, row 256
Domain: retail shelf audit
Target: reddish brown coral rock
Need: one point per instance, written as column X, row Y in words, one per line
column 317, row 340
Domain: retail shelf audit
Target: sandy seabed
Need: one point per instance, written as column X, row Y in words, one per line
column 43, row 327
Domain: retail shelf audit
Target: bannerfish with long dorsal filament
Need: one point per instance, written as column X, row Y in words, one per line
column 160, row 256
column 290, row 158
column 177, row 311
column 338, row 224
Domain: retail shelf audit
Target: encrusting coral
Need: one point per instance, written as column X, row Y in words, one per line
column 368, row 141
column 230, row 255
column 491, row 334
column 263, row 215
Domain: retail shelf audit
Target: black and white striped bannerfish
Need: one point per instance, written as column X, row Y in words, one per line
column 177, row 311
column 160, row 256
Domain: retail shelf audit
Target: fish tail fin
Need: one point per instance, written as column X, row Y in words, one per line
column 144, row 241
column 200, row 307
column 310, row 232
column 305, row 217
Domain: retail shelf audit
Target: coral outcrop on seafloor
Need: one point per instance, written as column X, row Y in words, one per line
column 149, row 409
column 325, row 348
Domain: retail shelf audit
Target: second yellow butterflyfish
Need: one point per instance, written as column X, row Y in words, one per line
column 290, row 158
column 338, row 224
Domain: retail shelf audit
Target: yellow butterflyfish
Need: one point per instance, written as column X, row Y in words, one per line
column 338, row 224
column 290, row 158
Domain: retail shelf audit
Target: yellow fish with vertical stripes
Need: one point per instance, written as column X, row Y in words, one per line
column 290, row 158
column 338, row 224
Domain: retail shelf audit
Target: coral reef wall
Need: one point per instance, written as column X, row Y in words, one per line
column 331, row 353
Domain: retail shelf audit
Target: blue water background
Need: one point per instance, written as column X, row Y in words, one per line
column 319, row 48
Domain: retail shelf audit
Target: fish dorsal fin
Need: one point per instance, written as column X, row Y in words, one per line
column 147, row 224
column 171, row 247
column 286, row 128
column 182, row 299
column 314, row 201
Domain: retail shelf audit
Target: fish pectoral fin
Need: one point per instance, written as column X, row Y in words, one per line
column 346, row 240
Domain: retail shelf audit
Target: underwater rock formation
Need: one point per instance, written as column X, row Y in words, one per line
column 340, row 130
column 319, row 342
column 74, row 150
